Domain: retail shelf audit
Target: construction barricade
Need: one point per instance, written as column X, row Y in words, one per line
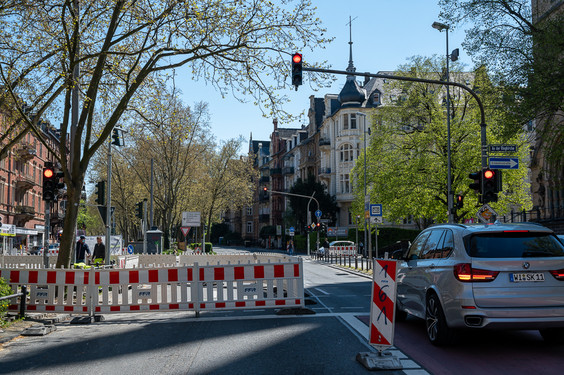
column 342, row 250
column 189, row 288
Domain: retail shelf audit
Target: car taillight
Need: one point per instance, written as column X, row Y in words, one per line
column 558, row 274
column 465, row 273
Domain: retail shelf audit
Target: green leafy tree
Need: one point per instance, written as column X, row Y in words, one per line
column 407, row 156
column 524, row 52
column 55, row 52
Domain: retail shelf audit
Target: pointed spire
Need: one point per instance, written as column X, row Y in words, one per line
column 352, row 93
column 350, row 67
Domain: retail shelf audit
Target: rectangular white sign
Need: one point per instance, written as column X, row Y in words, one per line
column 191, row 219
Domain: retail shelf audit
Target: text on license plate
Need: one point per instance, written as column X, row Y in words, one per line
column 526, row 276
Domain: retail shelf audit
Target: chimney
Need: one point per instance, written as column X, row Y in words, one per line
column 275, row 123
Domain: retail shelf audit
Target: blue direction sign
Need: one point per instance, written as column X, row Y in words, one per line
column 503, row 163
column 375, row 210
column 318, row 213
column 292, row 231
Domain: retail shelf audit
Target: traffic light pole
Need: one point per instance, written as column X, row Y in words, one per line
column 109, row 204
column 47, row 230
column 308, row 212
column 484, row 151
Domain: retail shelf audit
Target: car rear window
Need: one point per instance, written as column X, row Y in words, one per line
column 513, row 245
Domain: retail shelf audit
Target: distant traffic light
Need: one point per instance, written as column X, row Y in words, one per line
column 101, row 193
column 49, row 182
column 297, row 70
column 139, row 212
column 491, row 180
column 459, row 201
column 318, row 226
column 116, row 137
column 265, row 189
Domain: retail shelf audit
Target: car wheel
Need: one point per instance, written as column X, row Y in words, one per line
column 438, row 331
column 552, row 335
column 401, row 315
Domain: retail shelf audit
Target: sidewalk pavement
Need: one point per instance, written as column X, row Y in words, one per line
column 17, row 327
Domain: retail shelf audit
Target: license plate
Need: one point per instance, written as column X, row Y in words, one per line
column 526, row 277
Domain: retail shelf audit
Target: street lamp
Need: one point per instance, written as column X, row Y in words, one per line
column 441, row 26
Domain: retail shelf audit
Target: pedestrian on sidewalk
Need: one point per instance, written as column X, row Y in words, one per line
column 81, row 249
column 99, row 252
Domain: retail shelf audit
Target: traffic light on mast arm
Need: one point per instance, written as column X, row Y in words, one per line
column 297, row 70
column 116, row 138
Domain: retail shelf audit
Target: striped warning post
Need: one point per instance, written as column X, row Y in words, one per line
column 382, row 308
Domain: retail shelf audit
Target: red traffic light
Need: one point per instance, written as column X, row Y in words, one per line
column 265, row 189
column 488, row 174
column 48, row 173
column 297, row 58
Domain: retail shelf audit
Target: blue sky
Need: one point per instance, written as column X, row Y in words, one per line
column 385, row 34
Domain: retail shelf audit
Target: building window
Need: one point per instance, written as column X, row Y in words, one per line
column 345, row 184
column 353, row 121
column 345, row 121
column 249, row 227
column 347, row 153
column 376, row 98
column 249, row 210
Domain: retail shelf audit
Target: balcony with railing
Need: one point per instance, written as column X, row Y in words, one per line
column 25, row 151
column 275, row 171
column 24, row 213
column 24, row 182
column 325, row 172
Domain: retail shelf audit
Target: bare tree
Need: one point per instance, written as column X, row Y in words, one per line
column 108, row 50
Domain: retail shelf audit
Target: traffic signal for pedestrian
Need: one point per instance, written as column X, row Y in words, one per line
column 116, row 138
column 459, row 201
column 297, row 70
column 139, row 212
column 491, row 182
column 101, row 193
column 49, row 182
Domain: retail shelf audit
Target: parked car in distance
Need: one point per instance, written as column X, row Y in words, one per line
column 501, row 276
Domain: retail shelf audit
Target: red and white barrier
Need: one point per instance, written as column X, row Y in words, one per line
column 196, row 288
column 342, row 250
column 382, row 308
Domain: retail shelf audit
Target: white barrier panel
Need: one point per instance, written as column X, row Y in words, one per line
column 60, row 291
column 197, row 288
column 342, row 250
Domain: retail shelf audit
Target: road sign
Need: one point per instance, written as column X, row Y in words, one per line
column 318, row 214
column 485, row 213
column 376, row 220
column 503, row 148
column 375, row 210
column 292, row 231
column 503, row 163
column 382, row 309
column 191, row 219
column 130, row 249
column 185, row 230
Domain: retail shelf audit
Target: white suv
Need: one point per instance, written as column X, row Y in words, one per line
column 508, row 276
